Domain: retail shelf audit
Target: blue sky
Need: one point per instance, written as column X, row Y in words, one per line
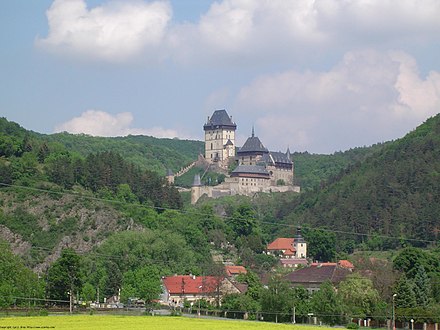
column 321, row 76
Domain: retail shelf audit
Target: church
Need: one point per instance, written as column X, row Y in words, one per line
column 257, row 169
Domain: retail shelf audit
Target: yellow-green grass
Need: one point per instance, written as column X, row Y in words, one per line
column 109, row 322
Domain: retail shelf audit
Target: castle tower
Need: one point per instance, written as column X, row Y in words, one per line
column 219, row 137
column 252, row 150
column 196, row 189
column 170, row 176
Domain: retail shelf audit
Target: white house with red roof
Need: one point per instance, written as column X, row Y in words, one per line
column 178, row 288
column 291, row 251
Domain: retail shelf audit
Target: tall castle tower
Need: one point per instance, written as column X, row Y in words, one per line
column 219, row 137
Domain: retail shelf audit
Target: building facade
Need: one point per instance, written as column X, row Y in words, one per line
column 258, row 170
column 219, row 138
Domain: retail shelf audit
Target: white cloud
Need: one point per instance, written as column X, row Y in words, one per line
column 367, row 97
column 116, row 31
column 100, row 123
column 238, row 31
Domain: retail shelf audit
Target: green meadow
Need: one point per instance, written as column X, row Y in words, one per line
column 109, row 322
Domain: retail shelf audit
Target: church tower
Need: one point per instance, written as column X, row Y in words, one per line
column 219, row 137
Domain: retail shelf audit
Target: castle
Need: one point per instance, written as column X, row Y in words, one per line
column 258, row 170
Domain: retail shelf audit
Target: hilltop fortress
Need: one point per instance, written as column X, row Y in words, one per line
column 257, row 169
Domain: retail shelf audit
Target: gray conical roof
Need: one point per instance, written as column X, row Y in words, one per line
column 197, row 182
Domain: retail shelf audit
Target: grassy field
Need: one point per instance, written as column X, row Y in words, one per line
column 109, row 322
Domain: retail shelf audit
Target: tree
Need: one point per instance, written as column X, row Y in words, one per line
column 408, row 260
column 63, row 277
column 321, row 244
column 16, row 280
column 422, row 287
column 404, row 289
column 243, row 220
column 301, row 302
column 276, row 300
column 358, row 295
column 88, row 292
column 326, row 304
column 144, row 282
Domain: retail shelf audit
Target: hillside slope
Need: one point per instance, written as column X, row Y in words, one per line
column 393, row 193
column 147, row 152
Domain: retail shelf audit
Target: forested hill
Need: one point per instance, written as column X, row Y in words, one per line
column 394, row 193
column 144, row 151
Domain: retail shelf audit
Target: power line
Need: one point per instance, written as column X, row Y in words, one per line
column 160, row 208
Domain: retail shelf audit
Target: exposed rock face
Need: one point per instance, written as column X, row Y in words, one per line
column 17, row 243
column 69, row 221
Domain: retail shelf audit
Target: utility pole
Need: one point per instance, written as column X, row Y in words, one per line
column 70, row 301
column 394, row 313
column 294, row 319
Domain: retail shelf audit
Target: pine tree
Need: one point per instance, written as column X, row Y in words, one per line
column 406, row 297
column 422, row 286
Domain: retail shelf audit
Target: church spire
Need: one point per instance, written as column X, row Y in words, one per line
column 253, row 131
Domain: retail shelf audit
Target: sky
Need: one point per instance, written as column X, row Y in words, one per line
column 309, row 75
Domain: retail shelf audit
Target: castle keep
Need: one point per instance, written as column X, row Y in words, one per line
column 258, row 170
column 219, row 137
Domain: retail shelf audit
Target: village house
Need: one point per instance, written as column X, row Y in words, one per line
column 314, row 275
column 233, row 271
column 180, row 288
column 291, row 252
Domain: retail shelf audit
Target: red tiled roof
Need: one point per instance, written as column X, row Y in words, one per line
column 235, row 270
column 345, row 264
column 188, row 284
column 281, row 244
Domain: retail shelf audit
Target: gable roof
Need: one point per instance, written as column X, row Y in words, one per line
column 219, row 118
column 318, row 273
column 235, row 270
column 189, row 284
column 281, row 243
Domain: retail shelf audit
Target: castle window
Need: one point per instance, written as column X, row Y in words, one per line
column 211, row 147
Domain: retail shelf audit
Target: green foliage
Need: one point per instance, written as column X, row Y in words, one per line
column 405, row 295
column 422, row 286
column 314, row 170
column 133, row 253
column 392, row 193
column 88, row 292
column 16, row 280
column 143, row 282
column 63, row 276
column 321, row 244
column 327, row 305
column 148, row 153
column 243, row 221
column 240, row 302
column 276, row 300
column 358, row 296
column 352, row 325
